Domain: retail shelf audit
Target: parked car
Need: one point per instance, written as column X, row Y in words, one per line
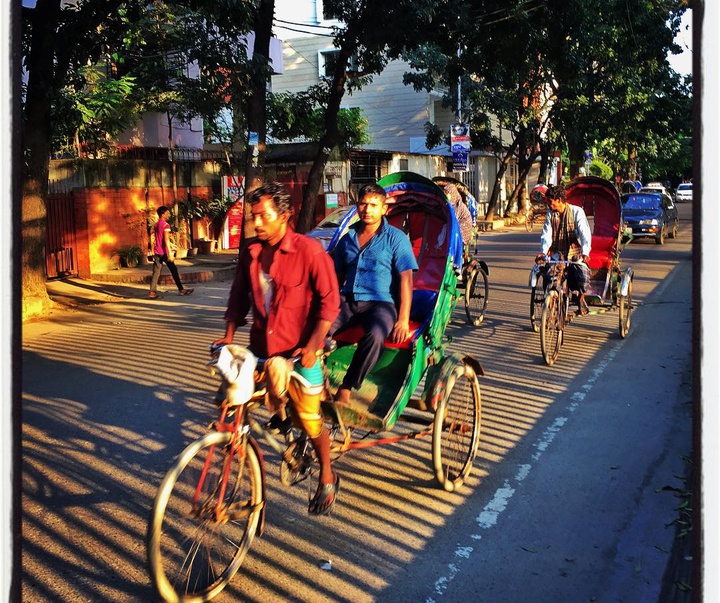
column 654, row 187
column 326, row 228
column 650, row 215
column 684, row 192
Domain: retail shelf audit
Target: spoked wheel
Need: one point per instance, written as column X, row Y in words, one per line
column 196, row 539
column 529, row 222
column 476, row 296
column 456, row 430
column 537, row 301
column 552, row 325
column 296, row 462
column 624, row 309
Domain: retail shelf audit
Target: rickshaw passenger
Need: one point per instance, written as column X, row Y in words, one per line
column 287, row 279
column 566, row 231
column 462, row 212
column 374, row 262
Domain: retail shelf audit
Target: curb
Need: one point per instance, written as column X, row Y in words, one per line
column 187, row 275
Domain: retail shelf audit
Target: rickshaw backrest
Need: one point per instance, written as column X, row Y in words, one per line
column 428, row 236
column 599, row 200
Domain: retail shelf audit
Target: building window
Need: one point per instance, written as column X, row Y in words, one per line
column 403, row 165
column 326, row 63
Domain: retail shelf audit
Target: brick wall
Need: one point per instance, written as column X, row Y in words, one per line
column 107, row 219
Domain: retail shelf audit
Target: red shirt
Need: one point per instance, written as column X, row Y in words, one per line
column 305, row 291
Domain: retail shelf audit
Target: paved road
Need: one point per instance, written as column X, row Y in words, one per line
column 566, row 502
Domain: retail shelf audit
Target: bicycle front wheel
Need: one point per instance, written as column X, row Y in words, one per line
column 552, row 324
column 529, row 219
column 537, row 301
column 198, row 536
column 476, row 296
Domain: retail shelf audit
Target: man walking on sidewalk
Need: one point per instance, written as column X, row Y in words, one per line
column 163, row 253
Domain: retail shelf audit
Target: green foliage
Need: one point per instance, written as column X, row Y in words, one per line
column 598, row 168
column 302, row 116
column 201, row 207
column 101, row 108
column 129, row 254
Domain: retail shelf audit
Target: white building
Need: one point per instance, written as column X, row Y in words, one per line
column 396, row 114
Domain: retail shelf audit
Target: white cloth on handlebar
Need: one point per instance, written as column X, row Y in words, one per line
column 237, row 365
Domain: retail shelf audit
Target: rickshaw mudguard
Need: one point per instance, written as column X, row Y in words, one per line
column 626, row 280
column 437, row 377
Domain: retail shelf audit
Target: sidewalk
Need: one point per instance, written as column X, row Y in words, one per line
column 124, row 283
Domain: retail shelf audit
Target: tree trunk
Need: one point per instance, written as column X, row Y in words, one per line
column 505, row 161
column 257, row 107
column 575, row 155
column 328, row 141
column 35, row 141
column 519, row 191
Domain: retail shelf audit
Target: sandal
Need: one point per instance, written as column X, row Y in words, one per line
column 583, row 309
column 324, row 500
column 186, row 291
column 154, row 295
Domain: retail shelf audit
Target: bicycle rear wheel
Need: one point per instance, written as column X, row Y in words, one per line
column 196, row 539
column 476, row 296
column 456, row 431
column 552, row 324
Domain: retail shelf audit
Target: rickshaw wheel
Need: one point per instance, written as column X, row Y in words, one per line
column 456, row 430
column 552, row 324
column 624, row 302
column 537, row 301
column 476, row 296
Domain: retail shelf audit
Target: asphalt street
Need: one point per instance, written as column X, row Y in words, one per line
column 573, row 496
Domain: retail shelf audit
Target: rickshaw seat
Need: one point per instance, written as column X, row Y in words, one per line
column 423, row 304
column 602, row 252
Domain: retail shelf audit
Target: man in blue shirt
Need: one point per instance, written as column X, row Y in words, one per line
column 374, row 263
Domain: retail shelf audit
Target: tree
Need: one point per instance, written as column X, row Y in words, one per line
column 373, row 33
column 57, row 42
column 495, row 52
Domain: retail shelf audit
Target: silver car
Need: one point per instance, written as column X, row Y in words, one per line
column 684, row 192
column 327, row 227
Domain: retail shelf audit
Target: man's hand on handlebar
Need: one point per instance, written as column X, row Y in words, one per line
column 307, row 355
column 219, row 343
column 541, row 258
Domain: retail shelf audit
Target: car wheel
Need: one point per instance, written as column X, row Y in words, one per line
column 660, row 238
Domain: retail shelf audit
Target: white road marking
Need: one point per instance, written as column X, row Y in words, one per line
column 489, row 516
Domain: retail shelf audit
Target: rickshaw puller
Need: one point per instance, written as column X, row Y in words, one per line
column 566, row 231
column 288, row 281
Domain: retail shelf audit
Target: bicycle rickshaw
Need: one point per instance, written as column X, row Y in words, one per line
column 610, row 286
column 211, row 503
column 475, row 272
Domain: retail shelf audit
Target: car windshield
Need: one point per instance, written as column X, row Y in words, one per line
column 334, row 219
column 642, row 202
column 684, row 187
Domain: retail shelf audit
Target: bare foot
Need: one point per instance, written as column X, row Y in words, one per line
column 343, row 395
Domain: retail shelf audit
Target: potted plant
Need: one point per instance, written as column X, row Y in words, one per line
column 130, row 255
